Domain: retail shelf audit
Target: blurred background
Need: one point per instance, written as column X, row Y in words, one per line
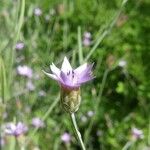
column 115, row 108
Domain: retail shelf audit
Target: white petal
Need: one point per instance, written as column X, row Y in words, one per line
column 55, row 70
column 51, row 75
column 81, row 68
column 66, row 66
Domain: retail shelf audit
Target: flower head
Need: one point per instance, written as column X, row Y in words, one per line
column 24, row 71
column 37, row 11
column 137, row 134
column 66, row 138
column 30, row 86
column 19, row 46
column 16, row 129
column 87, row 35
column 90, row 113
column 37, row 122
column 87, row 39
column 70, row 78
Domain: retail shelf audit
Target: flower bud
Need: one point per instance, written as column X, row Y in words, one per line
column 70, row 99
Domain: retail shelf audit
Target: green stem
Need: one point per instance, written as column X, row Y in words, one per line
column 128, row 145
column 77, row 132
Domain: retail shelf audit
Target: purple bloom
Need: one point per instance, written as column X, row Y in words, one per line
column 19, row 46
column 42, row 93
column 137, row 134
column 30, row 86
column 66, row 138
column 71, row 78
column 87, row 39
column 16, row 129
column 37, row 11
column 24, row 71
column 86, row 42
column 37, row 122
column 90, row 113
column 87, row 35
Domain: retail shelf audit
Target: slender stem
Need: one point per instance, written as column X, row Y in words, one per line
column 128, row 145
column 78, row 134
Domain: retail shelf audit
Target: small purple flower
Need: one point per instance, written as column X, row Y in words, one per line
column 71, row 78
column 16, row 129
column 24, row 71
column 90, row 113
column 87, row 35
column 37, row 11
column 66, row 137
column 19, row 46
column 87, row 39
column 137, row 134
column 30, row 86
column 86, row 42
column 42, row 93
column 84, row 119
column 37, row 122
column 47, row 18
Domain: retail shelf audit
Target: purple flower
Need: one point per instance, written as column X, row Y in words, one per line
column 66, row 138
column 90, row 113
column 71, row 78
column 87, row 35
column 87, row 39
column 19, row 46
column 24, row 71
column 37, row 11
column 137, row 134
column 37, row 122
column 30, row 86
column 16, row 129
column 86, row 42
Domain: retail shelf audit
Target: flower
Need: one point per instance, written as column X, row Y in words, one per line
column 70, row 81
column 66, row 138
column 37, row 11
column 87, row 35
column 30, row 86
column 37, row 122
column 87, row 39
column 90, row 113
column 122, row 63
column 70, row 78
column 24, row 71
column 19, row 46
column 16, row 129
column 86, row 42
column 137, row 134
